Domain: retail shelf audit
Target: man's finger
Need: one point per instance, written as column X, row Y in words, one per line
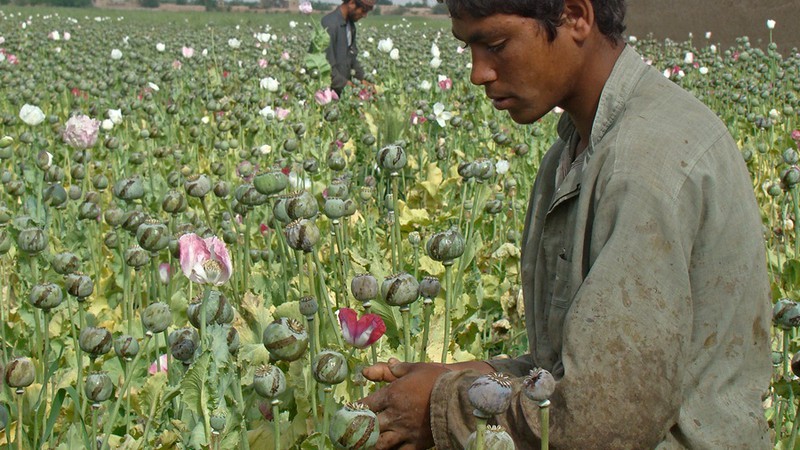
column 379, row 373
column 377, row 401
column 389, row 440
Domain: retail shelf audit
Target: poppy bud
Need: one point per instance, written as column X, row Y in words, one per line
column 467, row 170
column 400, row 289
column 20, row 372
column 539, row 385
column 786, row 314
column 354, row 427
column 79, row 285
column 490, row 395
column 129, row 189
column 96, row 341
column 156, row 318
column 364, row 287
column 197, row 185
column 329, row 367
column 269, row 381
column 290, row 145
column 217, row 419
column 111, row 240
column 446, row 245
column 56, row 196
column 218, row 310
column 98, row 387
column 114, row 217
column 392, row 158
column 285, row 339
column 173, row 202
column 32, row 240
column 302, row 235
column 494, row 438
column 234, row 342
column 336, row 161
column 308, row 306
column 6, row 141
column 46, row 296
column 100, row 181
column 153, row 235
column 126, row 347
column 183, row 343
column 271, row 183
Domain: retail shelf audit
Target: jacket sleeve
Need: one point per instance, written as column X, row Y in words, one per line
column 358, row 69
column 625, row 334
column 335, row 56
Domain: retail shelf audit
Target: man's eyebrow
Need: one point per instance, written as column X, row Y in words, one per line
column 478, row 36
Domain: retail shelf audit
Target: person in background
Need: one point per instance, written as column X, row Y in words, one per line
column 643, row 267
column 342, row 52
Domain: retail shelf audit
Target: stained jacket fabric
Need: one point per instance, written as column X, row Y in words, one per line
column 342, row 58
column 644, row 283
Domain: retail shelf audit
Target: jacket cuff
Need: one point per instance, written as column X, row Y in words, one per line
column 451, row 414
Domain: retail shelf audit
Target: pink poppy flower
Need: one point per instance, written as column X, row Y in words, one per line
column 796, row 135
column 365, row 94
column 417, row 119
column 305, row 7
column 154, row 367
column 285, row 56
column 446, row 84
column 262, row 63
column 363, row 332
column 177, row 65
column 281, row 113
column 187, row 52
column 325, row 96
column 205, row 261
column 81, row 131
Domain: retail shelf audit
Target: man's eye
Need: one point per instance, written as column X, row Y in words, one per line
column 496, row 48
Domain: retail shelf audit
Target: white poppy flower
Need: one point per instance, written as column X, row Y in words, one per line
column 234, row 43
column 502, row 166
column 425, row 85
column 115, row 115
column 107, row 125
column 436, row 62
column 385, row 45
column 270, row 84
column 440, row 114
column 116, row 54
column 161, row 47
column 435, row 50
column 394, row 54
column 31, row 115
column 770, row 24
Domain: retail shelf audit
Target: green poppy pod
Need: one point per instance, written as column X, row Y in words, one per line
column 494, row 438
column 114, row 217
column 364, row 287
column 132, row 220
column 173, row 202
column 129, row 189
column 248, row 195
column 400, row 289
column 126, row 347
column 32, row 240
column 302, row 235
column 64, row 263
column 338, row 188
column 329, row 367
column 88, row 211
column 78, row 285
column 183, row 343
column 197, row 185
column 392, row 158
column 302, row 205
column 285, row 339
column 786, row 314
column 136, row 257
column 98, row 387
column 490, row 395
column 46, row 296
column 334, row 208
column 20, row 372
column 271, row 183
column 429, row 287
column 539, row 385
column 354, row 427
column 153, row 235
column 96, row 341
column 269, row 381
column 446, row 245
column 156, row 318
column 279, row 210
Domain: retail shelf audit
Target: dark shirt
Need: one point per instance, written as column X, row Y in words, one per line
column 342, row 57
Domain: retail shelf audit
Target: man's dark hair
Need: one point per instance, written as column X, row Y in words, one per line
column 609, row 14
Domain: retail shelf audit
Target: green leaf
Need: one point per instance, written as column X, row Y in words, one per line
column 193, row 385
column 152, row 392
column 317, row 441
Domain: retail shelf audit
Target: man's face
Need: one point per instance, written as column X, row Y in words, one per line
column 521, row 71
column 357, row 11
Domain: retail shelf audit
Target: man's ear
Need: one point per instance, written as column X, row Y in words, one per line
column 578, row 18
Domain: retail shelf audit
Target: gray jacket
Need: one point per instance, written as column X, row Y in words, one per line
column 645, row 285
column 342, row 58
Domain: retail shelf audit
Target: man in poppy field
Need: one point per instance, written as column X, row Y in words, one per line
column 342, row 51
column 643, row 267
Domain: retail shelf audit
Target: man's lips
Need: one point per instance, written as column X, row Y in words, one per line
column 500, row 102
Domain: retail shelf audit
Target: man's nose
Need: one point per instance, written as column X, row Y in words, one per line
column 482, row 72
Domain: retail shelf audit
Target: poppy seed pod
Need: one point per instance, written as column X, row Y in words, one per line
column 3, row 417
column 183, row 343
column 88, row 211
column 392, row 158
column 218, row 419
column 467, row 170
column 484, row 169
column 400, row 289
column 308, row 306
column 786, row 314
column 197, row 185
column 153, row 235
column 354, row 427
column 136, row 257
column 132, row 220
column 56, row 196
column 302, row 234
column 279, row 210
column 334, row 208
column 100, row 181
column 111, row 240
column 285, row 339
column 129, row 189
column 32, row 240
column 247, row 195
column 271, row 183
column 98, row 387
column 96, row 341
column 218, row 309
column 539, row 385
column 329, row 367
column 364, row 287
column 336, row 161
column 78, row 285
column 46, row 296
column 5, row 241
column 173, row 202
column 338, row 188
column 446, row 245
column 126, row 347
column 311, row 165
column 114, row 217
column 490, row 395
column 429, row 287
column 233, row 340
column 156, row 318
column 495, row 438
column 64, row 263
column 269, row 381
column 302, row 205
column 20, row 372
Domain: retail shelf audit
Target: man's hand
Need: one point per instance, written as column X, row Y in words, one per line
column 403, row 406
